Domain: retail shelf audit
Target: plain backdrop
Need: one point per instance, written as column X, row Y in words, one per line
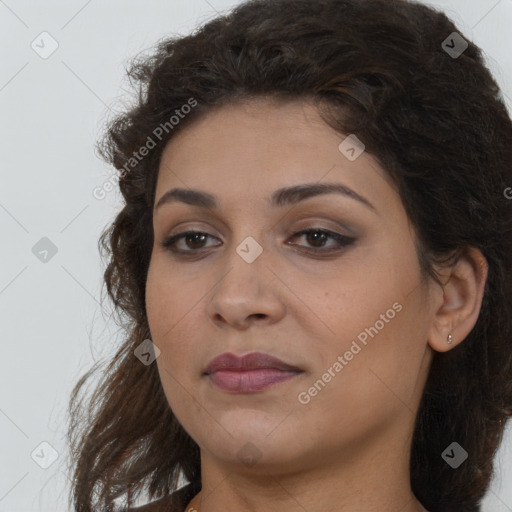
column 53, row 109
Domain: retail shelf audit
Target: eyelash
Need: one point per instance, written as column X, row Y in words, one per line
column 343, row 240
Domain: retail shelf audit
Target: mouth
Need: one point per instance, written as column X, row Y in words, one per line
column 248, row 374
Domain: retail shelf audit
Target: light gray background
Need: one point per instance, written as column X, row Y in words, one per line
column 53, row 111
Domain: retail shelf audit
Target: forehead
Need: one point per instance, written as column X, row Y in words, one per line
column 254, row 147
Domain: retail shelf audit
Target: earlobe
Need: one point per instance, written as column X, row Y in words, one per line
column 460, row 301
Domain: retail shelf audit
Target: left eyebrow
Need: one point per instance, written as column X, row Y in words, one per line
column 280, row 198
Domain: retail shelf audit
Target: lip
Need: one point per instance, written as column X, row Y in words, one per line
column 250, row 373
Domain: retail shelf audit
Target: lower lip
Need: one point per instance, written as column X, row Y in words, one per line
column 250, row 381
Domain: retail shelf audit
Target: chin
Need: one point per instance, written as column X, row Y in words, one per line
column 252, row 424
column 252, row 435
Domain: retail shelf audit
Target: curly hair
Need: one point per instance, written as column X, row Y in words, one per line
column 437, row 124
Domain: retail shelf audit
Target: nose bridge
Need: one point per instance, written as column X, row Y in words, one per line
column 247, row 238
column 245, row 288
column 246, row 262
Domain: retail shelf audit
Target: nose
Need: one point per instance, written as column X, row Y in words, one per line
column 247, row 293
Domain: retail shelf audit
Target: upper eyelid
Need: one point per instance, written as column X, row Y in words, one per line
column 314, row 227
column 293, row 232
column 314, row 218
column 323, row 209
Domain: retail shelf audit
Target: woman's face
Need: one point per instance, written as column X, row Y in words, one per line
column 350, row 316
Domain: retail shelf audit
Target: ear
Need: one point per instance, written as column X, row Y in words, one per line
column 461, row 297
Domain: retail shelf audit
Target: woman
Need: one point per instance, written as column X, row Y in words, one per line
column 314, row 268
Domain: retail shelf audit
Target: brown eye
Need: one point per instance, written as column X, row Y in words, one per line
column 194, row 240
column 317, row 238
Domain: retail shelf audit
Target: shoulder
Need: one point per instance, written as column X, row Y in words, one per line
column 176, row 502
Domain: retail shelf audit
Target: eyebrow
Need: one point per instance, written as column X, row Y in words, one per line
column 282, row 197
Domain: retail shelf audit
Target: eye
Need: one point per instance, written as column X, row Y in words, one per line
column 316, row 237
column 194, row 238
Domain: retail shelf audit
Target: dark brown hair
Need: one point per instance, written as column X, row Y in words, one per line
column 436, row 123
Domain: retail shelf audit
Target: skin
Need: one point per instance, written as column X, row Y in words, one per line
column 348, row 448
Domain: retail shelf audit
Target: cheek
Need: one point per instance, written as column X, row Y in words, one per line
column 361, row 385
column 167, row 300
column 164, row 310
column 173, row 310
column 375, row 326
column 382, row 354
column 361, row 304
column 167, row 309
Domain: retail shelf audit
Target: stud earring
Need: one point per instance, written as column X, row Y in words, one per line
column 450, row 339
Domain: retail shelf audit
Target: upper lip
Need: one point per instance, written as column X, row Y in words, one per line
column 229, row 361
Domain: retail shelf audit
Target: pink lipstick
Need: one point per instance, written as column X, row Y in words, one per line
column 248, row 374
